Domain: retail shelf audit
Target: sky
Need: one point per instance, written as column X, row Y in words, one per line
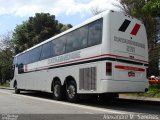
column 14, row 12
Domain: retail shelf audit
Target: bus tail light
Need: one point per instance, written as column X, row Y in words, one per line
column 108, row 68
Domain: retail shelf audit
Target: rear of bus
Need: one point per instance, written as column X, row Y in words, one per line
column 126, row 53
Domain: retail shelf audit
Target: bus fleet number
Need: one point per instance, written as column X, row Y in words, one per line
column 130, row 49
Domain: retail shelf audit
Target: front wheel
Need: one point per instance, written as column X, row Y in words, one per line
column 71, row 92
column 16, row 90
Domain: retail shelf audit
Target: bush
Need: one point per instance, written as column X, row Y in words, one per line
column 154, row 91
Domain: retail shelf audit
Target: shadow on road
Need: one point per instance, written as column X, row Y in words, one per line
column 122, row 104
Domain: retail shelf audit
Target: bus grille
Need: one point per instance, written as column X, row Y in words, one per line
column 87, row 78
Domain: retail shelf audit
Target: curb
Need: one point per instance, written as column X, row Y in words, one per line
column 139, row 98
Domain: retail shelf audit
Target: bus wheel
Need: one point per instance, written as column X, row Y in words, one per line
column 57, row 91
column 71, row 92
column 16, row 90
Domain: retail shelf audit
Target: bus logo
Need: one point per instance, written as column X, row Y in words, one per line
column 131, row 74
column 125, row 25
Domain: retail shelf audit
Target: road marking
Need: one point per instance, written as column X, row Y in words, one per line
column 110, row 111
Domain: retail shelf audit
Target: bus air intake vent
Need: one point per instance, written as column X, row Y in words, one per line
column 87, row 78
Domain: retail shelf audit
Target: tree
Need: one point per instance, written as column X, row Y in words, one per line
column 6, row 54
column 153, row 7
column 5, row 41
column 35, row 30
column 5, row 64
column 95, row 10
column 65, row 27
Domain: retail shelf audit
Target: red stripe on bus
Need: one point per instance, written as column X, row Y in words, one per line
column 129, row 68
column 135, row 29
column 103, row 55
column 93, row 57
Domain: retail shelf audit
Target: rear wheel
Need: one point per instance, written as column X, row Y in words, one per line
column 71, row 92
column 57, row 91
column 17, row 91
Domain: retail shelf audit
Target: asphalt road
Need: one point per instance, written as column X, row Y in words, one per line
column 40, row 105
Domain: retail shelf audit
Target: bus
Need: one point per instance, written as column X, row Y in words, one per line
column 107, row 54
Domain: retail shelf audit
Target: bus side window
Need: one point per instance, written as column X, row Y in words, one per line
column 20, row 64
column 46, row 51
column 34, row 55
column 58, row 46
column 72, row 39
column 77, row 39
column 95, row 33
column 83, row 34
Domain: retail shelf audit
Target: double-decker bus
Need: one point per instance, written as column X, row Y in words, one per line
column 107, row 54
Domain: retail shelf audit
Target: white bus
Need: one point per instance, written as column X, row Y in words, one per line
column 107, row 54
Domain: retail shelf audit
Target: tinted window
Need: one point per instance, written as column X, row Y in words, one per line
column 19, row 59
column 95, row 33
column 22, row 58
column 34, row 55
column 77, row 39
column 83, row 35
column 58, row 46
column 26, row 58
column 71, row 41
column 46, row 51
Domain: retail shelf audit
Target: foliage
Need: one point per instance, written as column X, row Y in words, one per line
column 31, row 32
column 5, row 58
column 153, row 7
column 96, row 10
column 5, row 64
column 154, row 91
column 7, row 84
column 35, row 30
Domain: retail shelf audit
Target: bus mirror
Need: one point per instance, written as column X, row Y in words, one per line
column 16, row 65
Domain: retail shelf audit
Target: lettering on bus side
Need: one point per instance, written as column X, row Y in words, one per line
column 129, row 42
column 64, row 57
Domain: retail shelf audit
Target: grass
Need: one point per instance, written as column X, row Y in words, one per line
column 154, row 91
column 5, row 85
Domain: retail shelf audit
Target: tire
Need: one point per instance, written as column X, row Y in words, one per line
column 57, row 91
column 71, row 92
column 16, row 90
